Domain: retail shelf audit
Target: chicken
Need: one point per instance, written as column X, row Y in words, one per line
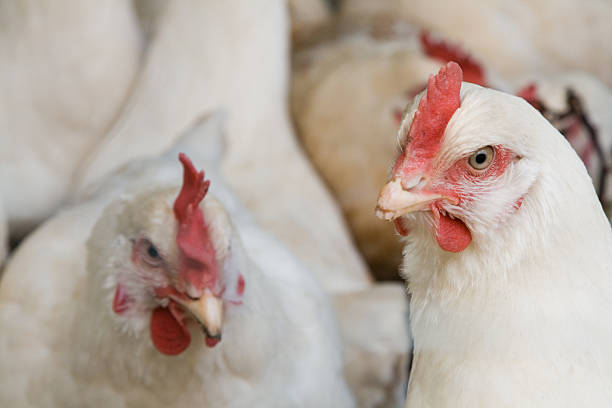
column 164, row 298
column 513, row 37
column 66, row 68
column 206, row 55
column 506, row 254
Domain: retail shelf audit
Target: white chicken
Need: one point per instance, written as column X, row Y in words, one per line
column 124, row 304
column 66, row 68
column 506, row 258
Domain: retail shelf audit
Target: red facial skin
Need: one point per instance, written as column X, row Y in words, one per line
column 121, row 301
column 452, row 234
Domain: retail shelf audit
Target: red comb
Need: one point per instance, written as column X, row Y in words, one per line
column 193, row 191
column 445, row 52
column 435, row 109
column 198, row 262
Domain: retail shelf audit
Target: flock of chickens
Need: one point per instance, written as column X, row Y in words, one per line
column 166, row 241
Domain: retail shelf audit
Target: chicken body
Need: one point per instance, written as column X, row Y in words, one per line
column 65, row 73
column 516, row 313
column 62, row 345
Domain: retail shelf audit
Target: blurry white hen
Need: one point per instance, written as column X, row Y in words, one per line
column 514, row 37
column 66, row 69
column 104, row 313
column 507, row 254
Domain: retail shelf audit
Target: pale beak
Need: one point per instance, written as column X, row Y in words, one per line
column 208, row 312
column 394, row 201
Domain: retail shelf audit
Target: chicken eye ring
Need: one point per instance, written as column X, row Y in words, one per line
column 482, row 158
column 149, row 253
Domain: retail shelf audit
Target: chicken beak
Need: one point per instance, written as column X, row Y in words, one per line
column 208, row 312
column 394, row 201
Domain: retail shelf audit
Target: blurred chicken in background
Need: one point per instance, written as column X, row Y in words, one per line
column 517, row 39
column 66, row 69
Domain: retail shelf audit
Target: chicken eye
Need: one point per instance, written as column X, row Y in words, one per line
column 150, row 254
column 481, row 158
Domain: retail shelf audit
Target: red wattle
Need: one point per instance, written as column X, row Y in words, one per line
column 452, row 234
column 169, row 336
column 211, row 342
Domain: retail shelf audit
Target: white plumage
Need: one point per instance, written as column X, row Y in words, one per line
column 519, row 317
column 62, row 345
column 66, row 69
